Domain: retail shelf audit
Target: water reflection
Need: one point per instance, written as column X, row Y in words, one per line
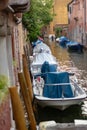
column 81, row 63
column 75, row 63
column 66, row 116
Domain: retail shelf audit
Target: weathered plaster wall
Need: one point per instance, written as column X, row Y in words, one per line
column 78, row 21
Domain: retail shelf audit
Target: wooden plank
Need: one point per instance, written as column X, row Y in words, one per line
column 27, row 101
column 17, row 107
column 27, row 77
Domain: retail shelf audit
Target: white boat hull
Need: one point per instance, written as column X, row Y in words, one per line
column 61, row 103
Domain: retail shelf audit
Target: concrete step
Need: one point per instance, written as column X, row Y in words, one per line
column 52, row 125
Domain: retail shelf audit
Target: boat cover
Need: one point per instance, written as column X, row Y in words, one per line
column 57, row 91
column 75, row 46
column 72, row 43
column 63, row 39
column 40, row 58
column 36, row 42
column 42, row 46
column 46, row 67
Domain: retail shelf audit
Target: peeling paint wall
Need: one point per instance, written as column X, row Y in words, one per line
column 78, row 21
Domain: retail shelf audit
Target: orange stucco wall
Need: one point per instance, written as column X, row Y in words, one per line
column 61, row 14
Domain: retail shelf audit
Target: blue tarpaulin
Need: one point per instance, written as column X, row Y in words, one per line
column 57, row 91
column 36, row 42
column 74, row 46
column 63, row 40
column 46, row 67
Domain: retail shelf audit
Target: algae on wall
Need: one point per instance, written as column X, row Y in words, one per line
column 4, row 83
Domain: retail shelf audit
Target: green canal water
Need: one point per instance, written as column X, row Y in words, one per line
column 77, row 64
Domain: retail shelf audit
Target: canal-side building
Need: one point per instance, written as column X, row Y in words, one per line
column 61, row 16
column 77, row 12
column 11, row 50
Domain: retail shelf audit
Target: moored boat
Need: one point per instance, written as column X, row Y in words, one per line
column 41, row 47
column 74, row 46
column 62, row 41
column 38, row 61
column 57, row 90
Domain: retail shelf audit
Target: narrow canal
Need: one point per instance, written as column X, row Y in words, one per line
column 77, row 64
